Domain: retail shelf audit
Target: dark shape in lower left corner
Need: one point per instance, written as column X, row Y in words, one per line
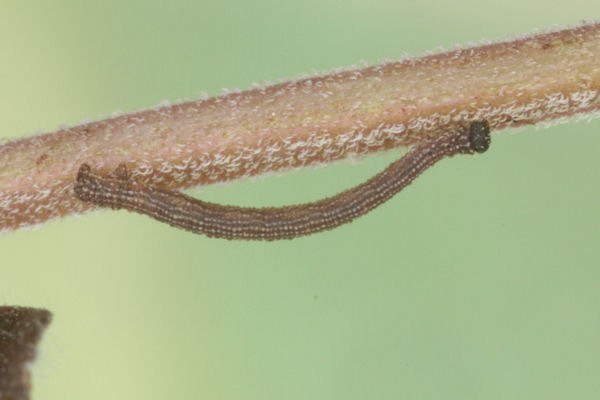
column 21, row 328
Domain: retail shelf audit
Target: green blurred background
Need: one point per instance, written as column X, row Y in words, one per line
column 481, row 280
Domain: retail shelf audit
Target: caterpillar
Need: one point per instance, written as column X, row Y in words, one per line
column 119, row 191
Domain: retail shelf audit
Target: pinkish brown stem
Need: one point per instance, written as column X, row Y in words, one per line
column 308, row 121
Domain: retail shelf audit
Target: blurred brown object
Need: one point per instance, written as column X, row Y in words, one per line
column 20, row 330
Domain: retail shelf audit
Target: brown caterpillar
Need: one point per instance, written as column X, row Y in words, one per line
column 118, row 190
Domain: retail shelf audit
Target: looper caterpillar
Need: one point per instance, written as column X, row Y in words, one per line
column 118, row 190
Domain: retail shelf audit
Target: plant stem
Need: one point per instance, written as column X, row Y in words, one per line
column 308, row 121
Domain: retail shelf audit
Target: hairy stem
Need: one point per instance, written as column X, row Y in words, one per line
column 308, row 121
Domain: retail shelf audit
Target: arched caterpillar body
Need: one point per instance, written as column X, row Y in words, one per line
column 118, row 190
